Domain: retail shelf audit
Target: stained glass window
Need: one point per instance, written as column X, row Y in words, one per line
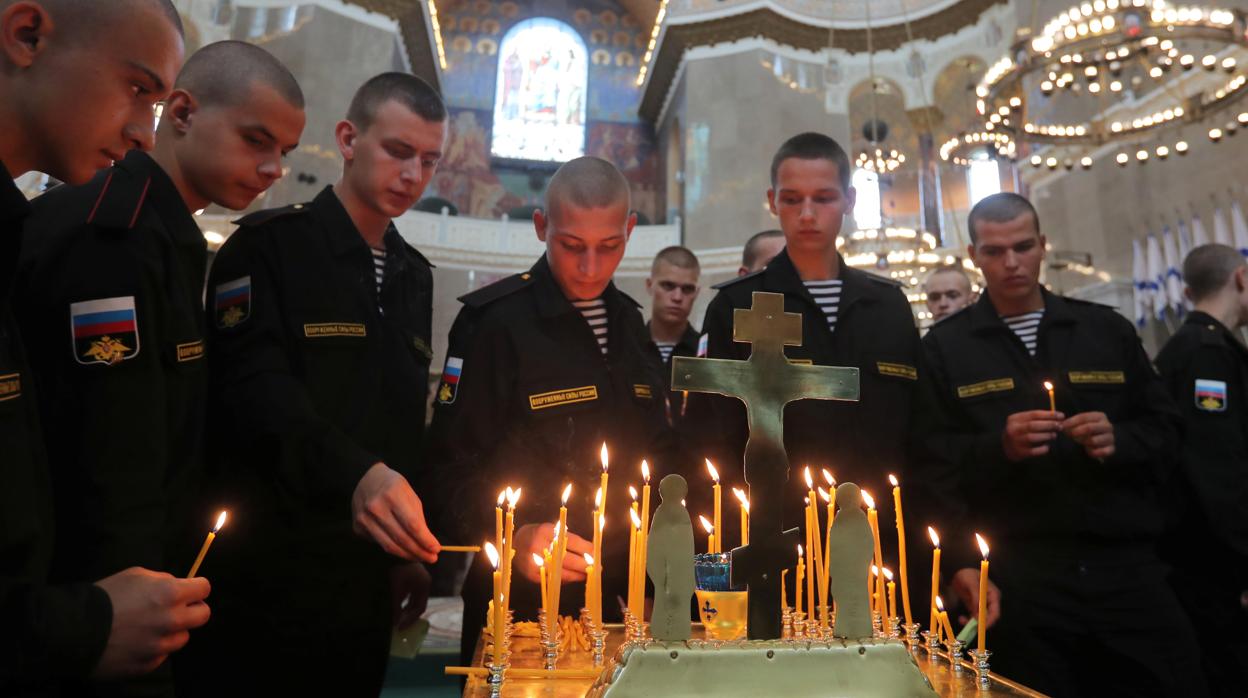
column 539, row 103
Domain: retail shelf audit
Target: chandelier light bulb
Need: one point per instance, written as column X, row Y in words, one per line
column 1051, row 163
column 1215, row 134
column 1181, row 147
column 1122, row 159
column 1141, row 155
column 1036, row 161
column 1209, row 62
column 1162, row 152
column 1086, row 162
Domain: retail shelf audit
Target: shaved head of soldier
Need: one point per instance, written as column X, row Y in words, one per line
column 586, row 223
column 79, row 80
column 234, row 113
column 1217, row 283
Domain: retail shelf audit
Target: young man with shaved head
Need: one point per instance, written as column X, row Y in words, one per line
column 543, row 368
column 78, row 81
column 110, row 294
column 1205, row 368
column 673, row 288
column 948, row 290
column 318, row 349
column 1071, row 499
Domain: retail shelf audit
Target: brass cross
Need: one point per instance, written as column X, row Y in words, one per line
column 766, row 382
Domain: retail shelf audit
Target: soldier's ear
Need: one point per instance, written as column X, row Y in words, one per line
column 345, row 133
column 24, row 29
column 541, row 224
column 179, row 110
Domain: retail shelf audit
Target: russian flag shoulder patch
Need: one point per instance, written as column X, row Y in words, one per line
column 1210, row 395
column 450, row 380
column 232, row 302
column 104, row 331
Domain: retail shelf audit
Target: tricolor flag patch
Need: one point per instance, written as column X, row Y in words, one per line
column 703, row 342
column 1210, row 395
column 450, row 380
column 232, row 302
column 104, row 331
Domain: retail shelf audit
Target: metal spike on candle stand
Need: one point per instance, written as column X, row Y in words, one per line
column 955, row 654
column 982, row 668
column 912, row 636
column 786, row 622
column 932, row 642
column 598, row 644
column 799, row 625
column 894, row 628
column 877, row 624
column 495, row 678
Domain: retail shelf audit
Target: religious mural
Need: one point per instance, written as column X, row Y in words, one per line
column 498, row 87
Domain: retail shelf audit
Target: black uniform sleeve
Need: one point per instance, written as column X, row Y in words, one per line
column 725, row 430
column 1145, row 444
column 109, row 421
column 1214, row 451
column 257, row 390
column 51, row 633
column 469, row 425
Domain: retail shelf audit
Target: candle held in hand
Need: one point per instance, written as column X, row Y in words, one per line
column 212, row 535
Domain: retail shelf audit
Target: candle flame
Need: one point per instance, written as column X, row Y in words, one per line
column 740, row 493
column 892, row 480
column 603, row 455
column 827, row 497
column 636, row 519
column 567, row 492
column 220, row 521
column 513, row 497
column 931, row 533
column 598, row 499
column 602, row 521
column 632, row 492
column 983, row 545
column 557, row 529
column 866, row 497
column 645, row 471
column 706, row 524
column 710, row 467
column 1048, row 385
column 502, row 496
column 875, row 571
column 800, row 552
column 810, row 482
column 827, row 475
column 537, row 560
column 492, row 553
column 940, row 604
column 888, row 574
column 589, row 559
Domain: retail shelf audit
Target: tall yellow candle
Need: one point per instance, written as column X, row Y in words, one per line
column 644, row 541
column 784, row 591
column 931, row 533
column 825, row 578
column 212, row 535
column 509, row 545
column 745, row 515
column 496, row 612
column 797, row 583
column 816, row 568
column 635, row 569
column 983, row 592
column 598, row 566
column 873, row 518
column 559, row 550
column 498, row 520
column 541, row 573
column 603, row 456
column 812, row 571
column 1048, row 385
column 879, row 605
column 717, row 518
column 590, row 600
column 597, row 523
column 901, row 548
column 943, row 618
column 892, row 593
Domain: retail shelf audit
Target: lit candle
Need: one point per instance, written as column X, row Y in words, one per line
column 710, row 533
column 509, row 545
column 816, row 569
column 602, row 523
column 498, row 520
column 824, row 577
column 497, row 613
column 892, row 593
column 541, row 573
column 598, row 516
column 983, row 592
column 827, row 476
column 559, row 550
column 590, row 601
column 602, row 456
column 811, row 569
column 718, row 518
column 634, row 566
column 931, row 533
column 644, row 543
column 901, row 548
column 873, row 517
column 745, row 515
column 801, row 574
column 212, row 535
column 943, row 619
column 1048, row 385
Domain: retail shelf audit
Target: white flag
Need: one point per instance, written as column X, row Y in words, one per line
column 1139, row 280
column 1239, row 229
column 1199, row 236
column 1221, row 231
column 1185, row 242
column 1156, row 274
column 1174, row 278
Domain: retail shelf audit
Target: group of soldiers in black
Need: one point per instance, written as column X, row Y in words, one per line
column 292, row 391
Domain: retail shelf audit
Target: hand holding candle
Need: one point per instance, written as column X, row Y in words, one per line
column 212, row 535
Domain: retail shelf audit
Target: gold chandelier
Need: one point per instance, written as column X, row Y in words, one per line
column 1094, row 55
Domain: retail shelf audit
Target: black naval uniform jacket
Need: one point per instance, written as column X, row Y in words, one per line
column 1062, row 505
column 50, row 632
column 110, row 296
column 1205, row 369
column 676, row 402
column 859, row 442
column 314, row 379
column 526, row 400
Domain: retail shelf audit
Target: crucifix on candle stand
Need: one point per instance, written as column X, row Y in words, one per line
column 766, row 382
